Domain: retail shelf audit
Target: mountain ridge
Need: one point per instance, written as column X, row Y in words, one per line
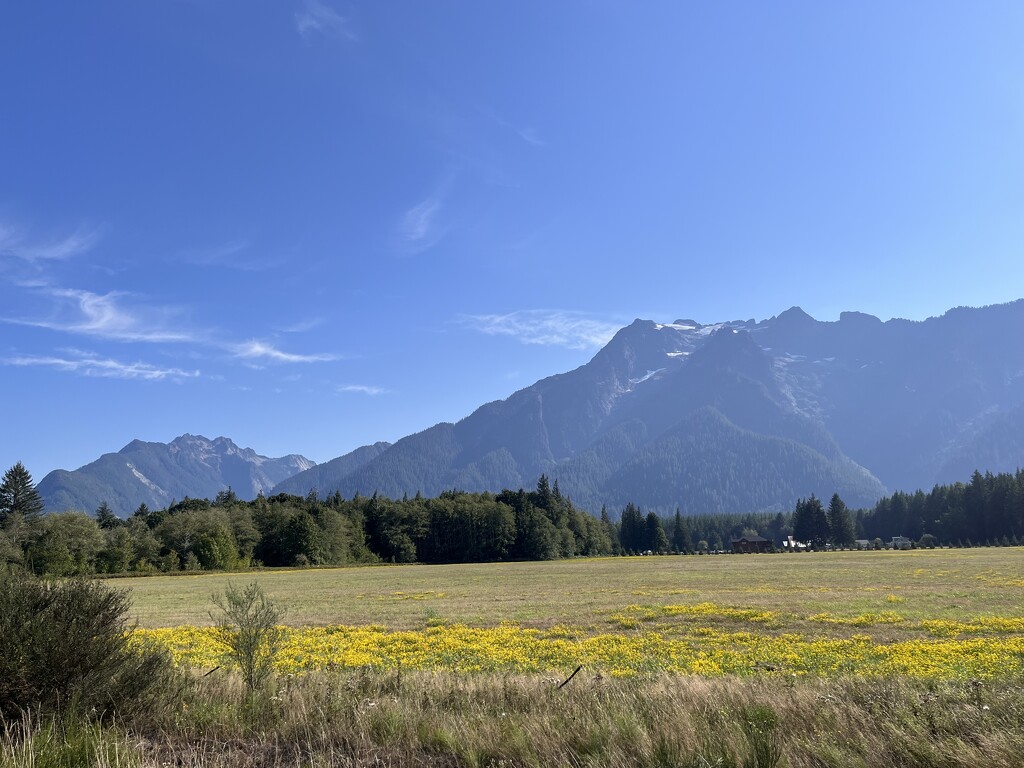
column 867, row 398
column 734, row 416
column 156, row 474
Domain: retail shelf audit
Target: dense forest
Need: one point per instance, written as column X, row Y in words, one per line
column 286, row 530
column 989, row 509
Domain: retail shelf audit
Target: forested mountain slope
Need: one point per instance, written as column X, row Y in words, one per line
column 741, row 416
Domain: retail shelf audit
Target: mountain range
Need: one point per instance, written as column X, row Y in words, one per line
column 156, row 474
column 734, row 416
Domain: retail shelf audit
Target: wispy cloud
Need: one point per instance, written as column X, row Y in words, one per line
column 529, row 134
column 236, row 254
column 107, row 316
column 319, row 18
column 88, row 364
column 261, row 350
column 112, row 316
column 420, row 227
column 417, row 227
column 362, row 389
column 15, row 244
column 302, row 325
column 575, row 330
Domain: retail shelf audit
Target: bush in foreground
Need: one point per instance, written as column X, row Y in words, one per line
column 66, row 647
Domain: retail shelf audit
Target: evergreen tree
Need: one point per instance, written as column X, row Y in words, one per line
column 611, row 531
column 819, row 519
column 810, row 523
column 840, row 524
column 20, row 504
column 225, row 498
column 142, row 513
column 776, row 530
column 655, row 539
column 803, row 524
column 544, row 495
column 681, row 538
column 105, row 517
column 18, row 495
column 632, row 528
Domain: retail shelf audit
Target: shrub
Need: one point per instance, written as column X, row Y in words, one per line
column 250, row 620
column 66, row 644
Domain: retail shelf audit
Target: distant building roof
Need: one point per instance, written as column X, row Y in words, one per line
column 749, row 539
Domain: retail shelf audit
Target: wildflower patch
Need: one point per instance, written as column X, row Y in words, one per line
column 704, row 651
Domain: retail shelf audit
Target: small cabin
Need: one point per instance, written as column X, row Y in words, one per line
column 863, row 544
column 901, row 542
column 751, row 544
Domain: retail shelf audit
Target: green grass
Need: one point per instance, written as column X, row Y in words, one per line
column 924, row 584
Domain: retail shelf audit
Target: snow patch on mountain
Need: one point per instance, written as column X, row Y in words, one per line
column 146, row 481
column 645, row 377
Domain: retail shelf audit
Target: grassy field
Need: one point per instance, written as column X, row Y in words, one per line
column 935, row 614
column 873, row 659
column 951, row 584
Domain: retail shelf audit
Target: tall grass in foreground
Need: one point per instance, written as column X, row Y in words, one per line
column 387, row 718
column 64, row 742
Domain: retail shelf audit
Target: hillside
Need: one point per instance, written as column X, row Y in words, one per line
column 737, row 416
column 740, row 415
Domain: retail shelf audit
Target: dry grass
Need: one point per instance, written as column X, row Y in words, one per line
column 372, row 719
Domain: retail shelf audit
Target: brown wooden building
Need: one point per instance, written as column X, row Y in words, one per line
column 751, row 544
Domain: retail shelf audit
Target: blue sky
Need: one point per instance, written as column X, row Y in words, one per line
column 308, row 225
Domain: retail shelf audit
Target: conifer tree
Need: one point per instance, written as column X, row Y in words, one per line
column 632, row 528
column 819, row 522
column 106, row 518
column 682, row 533
column 20, row 503
column 544, row 495
column 611, row 531
column 655, row 539
column 142, row 513
column 840, row 524
column 803, row 525
column 810, row 523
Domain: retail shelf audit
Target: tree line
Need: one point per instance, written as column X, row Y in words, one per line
column 286, row 530
column 988, row 510
column 456, row 526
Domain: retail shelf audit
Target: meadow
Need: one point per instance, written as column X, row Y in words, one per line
column 948, row 584
column 926, row 613
column 832, row 659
